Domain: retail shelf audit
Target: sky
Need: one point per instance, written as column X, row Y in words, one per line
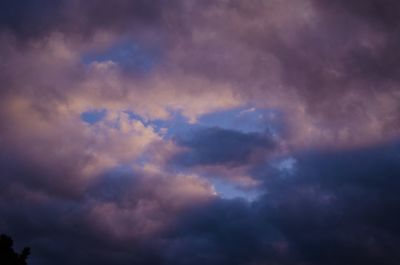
column 190, row 132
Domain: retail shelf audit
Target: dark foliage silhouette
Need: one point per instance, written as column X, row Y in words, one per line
column 7, row 254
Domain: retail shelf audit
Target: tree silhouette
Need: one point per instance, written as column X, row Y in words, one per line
column 7, row 254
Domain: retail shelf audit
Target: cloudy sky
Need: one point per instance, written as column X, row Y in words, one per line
column 191, row 132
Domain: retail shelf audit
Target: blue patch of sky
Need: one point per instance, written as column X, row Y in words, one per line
column 121, row 170
column 242, row 119
column 286, row 166
column 133, row 116
column 93, row 116
column 129, row 54
column 177, row 124
column 228, row 190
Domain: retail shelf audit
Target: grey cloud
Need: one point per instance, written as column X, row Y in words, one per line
column 217, row 146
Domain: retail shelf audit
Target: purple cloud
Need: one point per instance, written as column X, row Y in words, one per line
column 200, row 132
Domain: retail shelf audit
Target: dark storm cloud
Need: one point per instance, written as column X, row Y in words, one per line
column 123, row 13
column 58, row 179
column 341, row 208
column 342, row 205
column 218, row 146
column 30, row 17
column 60, row 234
column 90, row 229
column 35, row 18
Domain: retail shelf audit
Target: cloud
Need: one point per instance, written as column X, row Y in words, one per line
column 332, row 81
column 337, row 208
column 36, row 19
column 181, row 86
column 216, row 146
column 119, row 208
